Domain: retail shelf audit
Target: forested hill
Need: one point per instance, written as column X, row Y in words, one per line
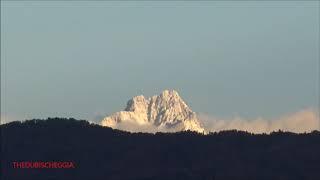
column 103, row 153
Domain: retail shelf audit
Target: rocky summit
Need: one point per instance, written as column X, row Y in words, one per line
column 166, row 112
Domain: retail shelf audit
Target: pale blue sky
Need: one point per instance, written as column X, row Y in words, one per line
column 83, row 59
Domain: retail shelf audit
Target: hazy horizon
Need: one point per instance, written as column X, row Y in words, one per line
column 248, row 60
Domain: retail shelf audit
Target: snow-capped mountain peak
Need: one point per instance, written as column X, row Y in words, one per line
column 166, row 112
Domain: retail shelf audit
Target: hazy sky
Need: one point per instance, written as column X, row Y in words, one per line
column 82, row 60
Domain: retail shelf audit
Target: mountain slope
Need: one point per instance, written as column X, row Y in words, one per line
column 166, row 112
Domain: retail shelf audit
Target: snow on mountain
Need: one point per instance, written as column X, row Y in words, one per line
column 166, row 112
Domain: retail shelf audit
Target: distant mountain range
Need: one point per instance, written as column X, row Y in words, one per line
column 166, row 112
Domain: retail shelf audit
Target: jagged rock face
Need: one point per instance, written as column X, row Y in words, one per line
column 166, row 112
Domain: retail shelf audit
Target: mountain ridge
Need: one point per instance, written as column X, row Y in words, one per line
column 166, row 112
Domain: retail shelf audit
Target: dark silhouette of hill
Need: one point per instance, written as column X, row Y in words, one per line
column 103, row 153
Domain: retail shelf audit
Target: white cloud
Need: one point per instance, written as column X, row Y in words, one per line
column 132, row 126
column 4, row 118
column 299, row 122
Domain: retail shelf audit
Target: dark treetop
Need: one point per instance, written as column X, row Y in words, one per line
column 103, row 153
